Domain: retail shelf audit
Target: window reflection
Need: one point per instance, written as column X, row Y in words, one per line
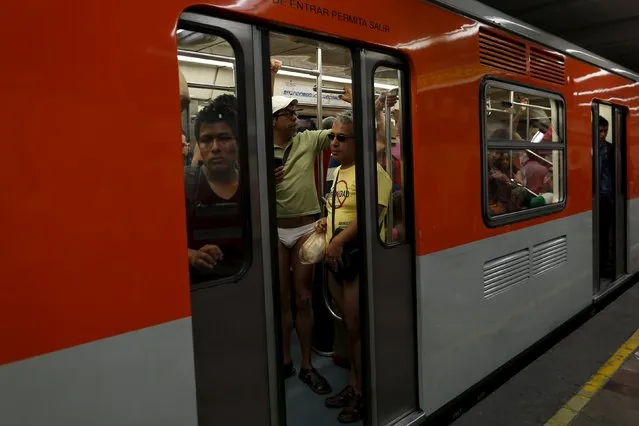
column 524, row 135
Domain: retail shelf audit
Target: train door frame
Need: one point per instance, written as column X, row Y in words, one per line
column 214, row 303
column 618, row 127
column 390, row 377
column 380, row 369
column 251, row 43
column 621, row 192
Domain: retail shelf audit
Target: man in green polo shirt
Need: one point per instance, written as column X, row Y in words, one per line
column 297, row 210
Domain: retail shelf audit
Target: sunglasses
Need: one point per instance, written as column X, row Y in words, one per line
column 340, row 137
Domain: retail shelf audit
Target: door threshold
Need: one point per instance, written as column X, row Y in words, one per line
column 417, row 417
column 611, row 287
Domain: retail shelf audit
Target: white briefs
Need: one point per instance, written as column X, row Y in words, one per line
column 290, row 236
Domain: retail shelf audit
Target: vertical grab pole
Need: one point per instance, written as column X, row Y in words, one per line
column 512, row 100
column 320, row 159
column 389, row 169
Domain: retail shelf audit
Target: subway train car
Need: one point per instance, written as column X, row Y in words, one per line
column 499, row 235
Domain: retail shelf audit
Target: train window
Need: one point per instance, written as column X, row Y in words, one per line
column 211, row 139
column 390, row 160
column 524, row 146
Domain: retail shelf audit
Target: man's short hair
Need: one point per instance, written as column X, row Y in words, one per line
column 345, row 117
column 603, row 122
column 223, row 108
column 327, row 123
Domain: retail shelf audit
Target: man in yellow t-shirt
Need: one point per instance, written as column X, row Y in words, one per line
column 341, row 236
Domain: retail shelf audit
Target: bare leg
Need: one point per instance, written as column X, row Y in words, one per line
column 285, row 302
column 351, row 319
column 303, row 281
column 337, row 291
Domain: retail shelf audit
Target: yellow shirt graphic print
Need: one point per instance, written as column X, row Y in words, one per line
column 344, row 191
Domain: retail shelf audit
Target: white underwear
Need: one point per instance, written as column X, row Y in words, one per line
column 290, row 236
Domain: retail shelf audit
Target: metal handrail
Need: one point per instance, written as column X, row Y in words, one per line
column 519, row 184
column 308, row 71
column 334, row 91
column 531, row 106
column 327, row 297
column 540, row 157
column 211, row 87
column 202, row 55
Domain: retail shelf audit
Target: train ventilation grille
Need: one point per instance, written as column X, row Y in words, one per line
column 547, row 66
column 549, row 255
column 506, row 272
column 517, row 57
column 498, row 52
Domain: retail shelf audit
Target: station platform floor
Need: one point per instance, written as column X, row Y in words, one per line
column 589, row 378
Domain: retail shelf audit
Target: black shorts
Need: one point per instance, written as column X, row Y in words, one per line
column 352, row 262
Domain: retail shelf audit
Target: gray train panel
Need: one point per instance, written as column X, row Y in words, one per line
column 483, row 303
column 142, row 378
column 633, row 235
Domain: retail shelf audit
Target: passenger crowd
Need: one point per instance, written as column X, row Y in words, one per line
column 525, row 181
column 215, row 221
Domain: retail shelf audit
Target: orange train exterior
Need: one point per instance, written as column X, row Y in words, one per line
column 92, row 222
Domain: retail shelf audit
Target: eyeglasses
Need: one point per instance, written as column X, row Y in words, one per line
column 340, row 137
column 286, row 113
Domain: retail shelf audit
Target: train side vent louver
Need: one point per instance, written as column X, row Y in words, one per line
column 549, row 255
column 506, row 272
column 547, row 66
column 499, row 52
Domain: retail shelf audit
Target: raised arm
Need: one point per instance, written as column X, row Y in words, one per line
column 275, row 67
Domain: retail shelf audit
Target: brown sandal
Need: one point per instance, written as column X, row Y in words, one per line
column 315, row 381
column 342, row 399
column 354, row 412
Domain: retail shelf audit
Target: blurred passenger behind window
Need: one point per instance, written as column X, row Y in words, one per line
column 214, row 216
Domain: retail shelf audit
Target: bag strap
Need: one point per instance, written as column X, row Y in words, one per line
column 380, row 224
column 287, row 152
column 333, row 202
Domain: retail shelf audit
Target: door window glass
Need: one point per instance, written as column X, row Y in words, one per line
column 389, row 154
column 212, row 140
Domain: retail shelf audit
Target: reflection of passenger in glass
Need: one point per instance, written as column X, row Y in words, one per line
column 214, row 219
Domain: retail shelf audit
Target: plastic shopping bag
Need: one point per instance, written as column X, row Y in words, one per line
column 313, row 249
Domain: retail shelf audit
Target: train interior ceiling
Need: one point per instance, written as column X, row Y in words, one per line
column 210, row 73
column 206, row 62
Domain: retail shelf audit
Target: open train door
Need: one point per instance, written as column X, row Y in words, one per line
column 233, row 320
column 387, row 286
column 610, row 203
